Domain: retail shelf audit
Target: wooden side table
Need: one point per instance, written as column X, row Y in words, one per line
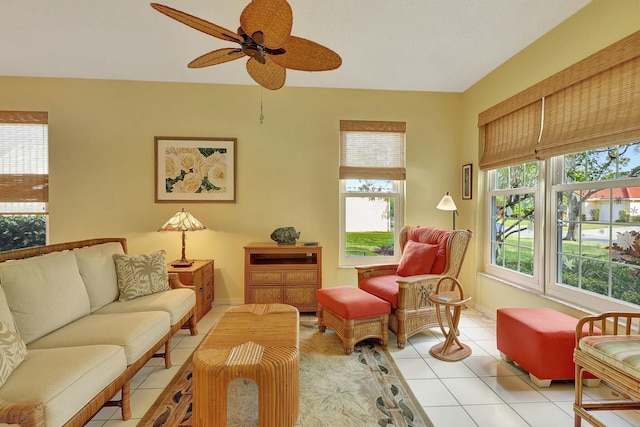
column 200, row 276
column 451, row 302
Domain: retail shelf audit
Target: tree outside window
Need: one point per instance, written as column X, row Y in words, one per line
column 598, row 194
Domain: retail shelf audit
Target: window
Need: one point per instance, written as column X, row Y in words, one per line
column 592, row 248
column 596, row 195
column 514, row 198
column 581, row 128
column 372, row 173
column 24, row 179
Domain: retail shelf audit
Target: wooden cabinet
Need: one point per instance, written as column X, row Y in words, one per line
column 287, row 274
column 200, row 276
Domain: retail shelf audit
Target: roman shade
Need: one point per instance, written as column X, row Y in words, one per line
column 372, row 150
column 597, row 112
column 591, row 104
column 512, row 139
column 24, row 174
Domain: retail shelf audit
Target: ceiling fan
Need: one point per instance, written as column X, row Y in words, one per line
column 265, row 37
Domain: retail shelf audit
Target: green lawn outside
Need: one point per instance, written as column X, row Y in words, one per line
column 593, row 273
column 590, row 275
column 589, row 225
column 368, row 243
column 589, row 249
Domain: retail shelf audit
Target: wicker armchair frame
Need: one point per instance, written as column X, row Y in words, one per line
column 415, row 312
column 610, row 323
column 32, row 414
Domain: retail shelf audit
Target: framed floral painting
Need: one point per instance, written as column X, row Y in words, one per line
column 195, row 169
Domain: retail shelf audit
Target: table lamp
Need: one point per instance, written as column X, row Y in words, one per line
column 447, row 204
column 182, row 221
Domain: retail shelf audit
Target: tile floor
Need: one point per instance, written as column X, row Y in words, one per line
column 481, row 390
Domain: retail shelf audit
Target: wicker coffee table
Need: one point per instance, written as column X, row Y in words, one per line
column 255, row 341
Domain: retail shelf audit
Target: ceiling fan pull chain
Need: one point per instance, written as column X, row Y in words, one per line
column 261, row 115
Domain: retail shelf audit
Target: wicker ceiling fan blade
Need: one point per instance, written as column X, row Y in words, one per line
column 268, row 75
column 198, row 23
column 216, row 57
column 274, row 18
column 306, row 55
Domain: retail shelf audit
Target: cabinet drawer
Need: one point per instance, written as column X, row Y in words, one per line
column 301, row 296
column 208, row 270
column 207, row 283
column 266, row 295
column 207, row 299
column 266, row 277
column 301, row 276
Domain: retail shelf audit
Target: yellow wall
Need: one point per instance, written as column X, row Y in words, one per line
column 102, row 162
column 593, row 28
column 102, row 166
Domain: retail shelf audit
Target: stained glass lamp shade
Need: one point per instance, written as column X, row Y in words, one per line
column 182, row 221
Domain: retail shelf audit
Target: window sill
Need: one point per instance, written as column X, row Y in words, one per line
column 564, row 303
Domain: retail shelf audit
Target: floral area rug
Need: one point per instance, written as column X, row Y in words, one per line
column 362, row 389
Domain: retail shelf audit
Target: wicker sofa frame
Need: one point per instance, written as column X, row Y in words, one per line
column 610, row 323
column 32, row 414
column 414, row 311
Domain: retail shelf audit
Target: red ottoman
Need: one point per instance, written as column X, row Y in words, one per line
column 353, row 314
column 541, row 340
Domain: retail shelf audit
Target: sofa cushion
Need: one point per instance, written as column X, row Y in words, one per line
column 44, row 293
column 5, row 313
column 384, row 287
column 140, row 275
column 64, row 379
column 12, row 350
column 176, row 302
column 417, row 258
column 433, row 236
column 136, row 332
column 98, row 272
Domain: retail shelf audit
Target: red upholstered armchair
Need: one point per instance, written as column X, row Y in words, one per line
column 427, row 255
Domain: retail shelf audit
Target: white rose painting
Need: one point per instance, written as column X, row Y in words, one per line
column 195, row 169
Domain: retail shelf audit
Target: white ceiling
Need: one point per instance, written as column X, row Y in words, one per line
column 422, row 45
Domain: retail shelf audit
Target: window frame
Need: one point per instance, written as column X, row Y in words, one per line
column 562, row 291
column 399, row 194
column 372, row 150
column 543, row 282
column 27, row 186
column 535, row 282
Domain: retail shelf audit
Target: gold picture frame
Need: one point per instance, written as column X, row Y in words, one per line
column 197, row 169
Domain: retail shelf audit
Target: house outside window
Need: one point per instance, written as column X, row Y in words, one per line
column 24, row 179
column 590, row 252
column 596, row 197
column 372, row 173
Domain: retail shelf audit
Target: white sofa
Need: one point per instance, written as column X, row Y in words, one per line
column 83, row 344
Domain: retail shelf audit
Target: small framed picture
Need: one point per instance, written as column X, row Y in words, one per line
column 467, row 181
column 195, row 169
